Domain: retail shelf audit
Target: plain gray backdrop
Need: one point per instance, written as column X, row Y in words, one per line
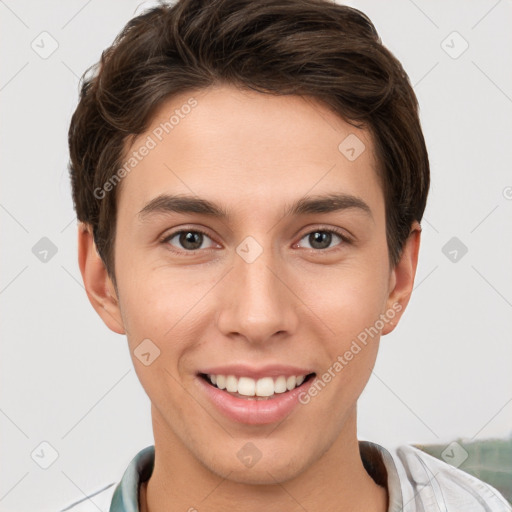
column 68, row 382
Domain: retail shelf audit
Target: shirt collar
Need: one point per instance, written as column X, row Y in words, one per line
column 377, row 461
column 126, row 495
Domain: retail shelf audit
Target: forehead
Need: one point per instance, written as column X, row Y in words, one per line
column 248, row 148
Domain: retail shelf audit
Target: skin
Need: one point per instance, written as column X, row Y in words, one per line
column 252, row 154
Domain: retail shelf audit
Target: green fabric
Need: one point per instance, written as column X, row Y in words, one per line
column 126, row 495
column 413, row 477
column 140, row 469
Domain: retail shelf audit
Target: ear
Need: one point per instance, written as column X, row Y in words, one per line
column 97, row 282
column 401, row 279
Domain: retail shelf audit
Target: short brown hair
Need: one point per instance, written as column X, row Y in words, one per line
column 314, row 48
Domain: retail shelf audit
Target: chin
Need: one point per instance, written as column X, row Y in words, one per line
column 266, row 471
column 270, row 474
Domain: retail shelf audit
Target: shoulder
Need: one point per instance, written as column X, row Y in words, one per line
column 120, row 495
column 98, row 500
column 428, row 483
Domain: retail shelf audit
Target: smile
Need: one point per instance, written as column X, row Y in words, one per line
column 257, row 400
column 256, row 389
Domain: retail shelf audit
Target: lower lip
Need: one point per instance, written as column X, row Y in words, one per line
column 254, row 412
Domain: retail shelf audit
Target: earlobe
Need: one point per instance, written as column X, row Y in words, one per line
column 402, row 278
column 98, row 285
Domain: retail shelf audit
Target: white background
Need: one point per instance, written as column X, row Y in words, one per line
column 67, row 380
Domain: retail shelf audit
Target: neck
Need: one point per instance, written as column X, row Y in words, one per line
column 337, row 481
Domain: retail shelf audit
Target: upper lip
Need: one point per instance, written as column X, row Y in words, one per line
column 245, row 370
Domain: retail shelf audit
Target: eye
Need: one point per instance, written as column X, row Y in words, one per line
column 322, row 238
column 189, row 240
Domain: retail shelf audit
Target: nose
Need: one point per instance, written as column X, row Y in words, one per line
column 256, row 301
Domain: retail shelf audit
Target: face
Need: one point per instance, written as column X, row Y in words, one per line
column 251, row 247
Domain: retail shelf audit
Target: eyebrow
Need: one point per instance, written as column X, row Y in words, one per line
column 166, row 203
column 328, row 203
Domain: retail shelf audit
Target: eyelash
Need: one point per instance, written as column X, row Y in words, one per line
column 172, row 235
column 344, row 238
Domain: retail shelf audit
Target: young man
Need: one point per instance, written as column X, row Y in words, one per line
column 249, row 179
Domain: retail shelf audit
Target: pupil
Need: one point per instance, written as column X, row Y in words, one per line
column 191, row 240
column 320, row 239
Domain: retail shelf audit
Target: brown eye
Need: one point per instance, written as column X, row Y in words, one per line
column 188, row 240
column 321, row 239
column 191, row 240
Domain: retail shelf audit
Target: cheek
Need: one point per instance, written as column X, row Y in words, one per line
column 166, row 308
column 159, row 335
column 347, row 306
column 346, row 301
column 153, row 300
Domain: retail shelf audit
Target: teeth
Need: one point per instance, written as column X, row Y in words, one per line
column 231, row 384
column 280, row 385
column 221, row 381
column 290, row 382
column 264, row 387
column 246, row 386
